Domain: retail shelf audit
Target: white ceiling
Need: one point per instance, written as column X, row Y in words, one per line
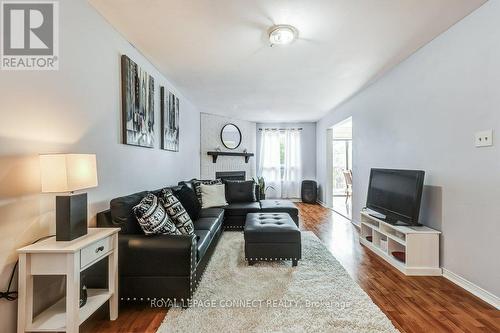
column 216, row 54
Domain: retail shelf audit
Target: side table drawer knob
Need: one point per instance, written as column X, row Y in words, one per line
column 95, row 251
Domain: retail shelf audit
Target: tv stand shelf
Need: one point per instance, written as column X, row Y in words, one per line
column 420, row 245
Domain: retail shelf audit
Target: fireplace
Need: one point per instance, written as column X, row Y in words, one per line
column 231, row 175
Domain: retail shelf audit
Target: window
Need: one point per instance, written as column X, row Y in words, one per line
column 280, row 162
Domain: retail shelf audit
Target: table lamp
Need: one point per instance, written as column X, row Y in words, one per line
column 68, row 173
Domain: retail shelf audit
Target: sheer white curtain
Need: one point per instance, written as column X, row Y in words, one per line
column 270, row 165
column 292, row 171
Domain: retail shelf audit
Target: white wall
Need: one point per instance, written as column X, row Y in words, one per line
column 77, row 109
column 308, row 145
column 423, row 115
column 211, row 125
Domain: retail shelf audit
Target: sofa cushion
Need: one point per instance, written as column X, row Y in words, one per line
column 271, row 228
column 208, row 223
column 242, row 208
column 213, row 195
column 176, row 212
column 212, row 212
column 197, row 186
column 189, row 201
column 122, row 215
column 203, row 238
column 240, row 191
column 153, row 218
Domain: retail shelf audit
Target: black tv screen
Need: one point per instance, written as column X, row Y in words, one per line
column 396, row 194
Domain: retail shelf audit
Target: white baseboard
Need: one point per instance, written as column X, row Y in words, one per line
column 356, row 224
column 472, row 288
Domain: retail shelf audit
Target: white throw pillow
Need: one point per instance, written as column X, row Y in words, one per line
column 213, row 195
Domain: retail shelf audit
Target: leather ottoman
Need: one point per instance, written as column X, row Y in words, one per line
column 271, row 237
column 280, row 206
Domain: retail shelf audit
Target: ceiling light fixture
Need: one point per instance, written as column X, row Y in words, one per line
column 282, row 34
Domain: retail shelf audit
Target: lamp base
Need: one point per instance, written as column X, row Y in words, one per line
column 71, row 216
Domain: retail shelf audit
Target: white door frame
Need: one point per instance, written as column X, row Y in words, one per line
column 329, row 162
column 329, row 168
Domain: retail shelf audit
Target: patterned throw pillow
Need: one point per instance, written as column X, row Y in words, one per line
column 197, row 186
column 176, row 212
column 153, row 218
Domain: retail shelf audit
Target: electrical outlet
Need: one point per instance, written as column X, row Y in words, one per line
column 484, row 138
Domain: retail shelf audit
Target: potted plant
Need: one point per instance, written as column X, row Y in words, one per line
column 262, row 187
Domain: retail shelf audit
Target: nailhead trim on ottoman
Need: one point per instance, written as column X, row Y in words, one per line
column 267, row 234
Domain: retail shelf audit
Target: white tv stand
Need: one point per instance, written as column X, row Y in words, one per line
column 420, row 244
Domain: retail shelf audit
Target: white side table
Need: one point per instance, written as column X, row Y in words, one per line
column 50, row 257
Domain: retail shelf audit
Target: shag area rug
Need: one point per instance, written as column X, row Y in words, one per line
column 316, row 296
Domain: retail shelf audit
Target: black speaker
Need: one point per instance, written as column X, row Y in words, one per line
column 309, row 191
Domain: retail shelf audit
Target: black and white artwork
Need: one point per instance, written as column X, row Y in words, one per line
column 169, row 121
column 137, row 105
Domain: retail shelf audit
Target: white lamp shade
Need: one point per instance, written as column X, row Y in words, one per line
column 68, row 172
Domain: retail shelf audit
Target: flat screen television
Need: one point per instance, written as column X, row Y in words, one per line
column 396, row 194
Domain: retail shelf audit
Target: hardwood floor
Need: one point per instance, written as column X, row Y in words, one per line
column 414, row 304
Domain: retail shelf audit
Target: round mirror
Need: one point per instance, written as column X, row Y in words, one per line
column 230, row 136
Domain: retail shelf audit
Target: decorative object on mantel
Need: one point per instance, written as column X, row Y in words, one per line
column 218, row 149
column 230, row 135
column 68, row 173
column 138, row 115
column 169, row 120
column 216, row 154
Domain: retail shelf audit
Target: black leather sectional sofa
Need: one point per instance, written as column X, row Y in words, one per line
column 170, row 266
